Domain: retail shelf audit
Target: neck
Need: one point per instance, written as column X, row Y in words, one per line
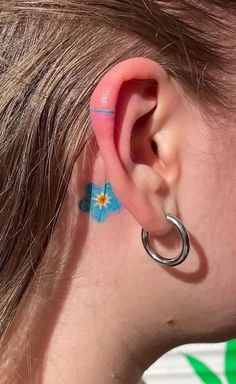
column 72, row 341
column 76, row 327
column 89, row 346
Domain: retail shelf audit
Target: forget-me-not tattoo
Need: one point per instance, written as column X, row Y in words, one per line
column 100, row 201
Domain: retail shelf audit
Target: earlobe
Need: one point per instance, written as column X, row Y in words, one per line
column 125, row 110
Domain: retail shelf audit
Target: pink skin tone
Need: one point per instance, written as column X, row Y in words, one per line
column 105, row 97
column 112, row 310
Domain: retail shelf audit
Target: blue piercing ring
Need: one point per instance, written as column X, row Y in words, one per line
column 102, row 111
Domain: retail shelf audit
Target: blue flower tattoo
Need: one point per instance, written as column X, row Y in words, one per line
column 99, row 201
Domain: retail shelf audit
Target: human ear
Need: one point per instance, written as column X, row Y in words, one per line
column 132, row 110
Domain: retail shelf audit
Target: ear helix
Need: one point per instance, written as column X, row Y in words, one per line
column 102, row 109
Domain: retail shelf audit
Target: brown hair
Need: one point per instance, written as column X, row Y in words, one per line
column 53, row 53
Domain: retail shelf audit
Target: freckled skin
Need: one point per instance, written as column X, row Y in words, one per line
column 170, row 322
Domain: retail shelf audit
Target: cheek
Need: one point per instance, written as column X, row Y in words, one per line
column 207, row 199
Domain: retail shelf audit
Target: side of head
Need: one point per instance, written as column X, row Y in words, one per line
column 140, row 96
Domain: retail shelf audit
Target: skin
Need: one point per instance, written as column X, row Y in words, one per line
column 105, row 309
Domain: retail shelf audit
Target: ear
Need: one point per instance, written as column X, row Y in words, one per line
column 132, row 112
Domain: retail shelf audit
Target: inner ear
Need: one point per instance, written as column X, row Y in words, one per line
column 136, row 98
column 144, row 149
column 154, row 147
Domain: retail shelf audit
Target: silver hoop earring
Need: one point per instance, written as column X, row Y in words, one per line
column 185, row 240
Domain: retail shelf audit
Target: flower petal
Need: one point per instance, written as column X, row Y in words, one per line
column 99, row 213
column 92, row 190
column 114, row 205
column 85, row 205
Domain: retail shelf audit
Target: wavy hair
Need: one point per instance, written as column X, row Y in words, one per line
column 52, row 55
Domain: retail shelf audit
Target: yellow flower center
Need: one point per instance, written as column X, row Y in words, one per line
column 102, row 200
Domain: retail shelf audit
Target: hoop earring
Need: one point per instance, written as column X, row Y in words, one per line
column 185, row 240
